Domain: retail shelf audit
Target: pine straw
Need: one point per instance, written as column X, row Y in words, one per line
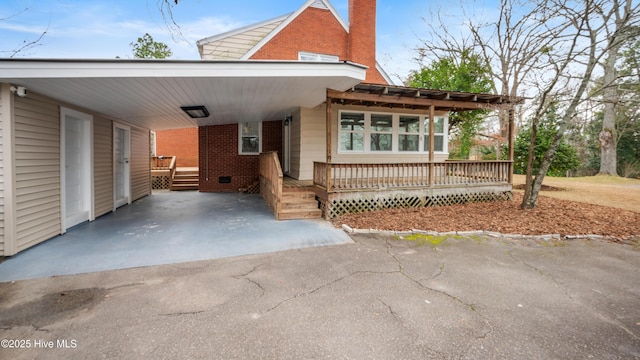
column 551, row 216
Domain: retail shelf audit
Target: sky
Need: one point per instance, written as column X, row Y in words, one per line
column 105, row 28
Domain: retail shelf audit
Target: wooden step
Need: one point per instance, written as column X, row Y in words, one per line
column 296, row 214
column 299, row 203
column 186, row 180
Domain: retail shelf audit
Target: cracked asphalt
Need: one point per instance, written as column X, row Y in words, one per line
column 377, row 298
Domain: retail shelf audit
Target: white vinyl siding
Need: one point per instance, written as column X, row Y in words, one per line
column 308, row 143
column 295, row 144
column 234, row 46
column 313, row 140
column 140, row 163
column 102, row 166
column 37, row 171
column 2, row 114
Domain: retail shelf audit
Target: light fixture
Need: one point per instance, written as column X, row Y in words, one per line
column 196, row 112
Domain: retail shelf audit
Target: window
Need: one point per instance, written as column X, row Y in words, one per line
column 307, row 56
column 250, row 135
column 373, row 132
column 351, row 131
column 438, row 134
column 381, row 132
column 409, row 133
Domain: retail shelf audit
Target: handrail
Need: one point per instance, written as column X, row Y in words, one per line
column 164, row 166
column 361, row 176
column 271, row 180
column 172, row 171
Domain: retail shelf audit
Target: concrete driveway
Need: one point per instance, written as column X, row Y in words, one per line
column 170, row 227
column 376, row 298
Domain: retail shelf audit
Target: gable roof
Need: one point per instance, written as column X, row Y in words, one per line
column 234, row 44
column 244, row 42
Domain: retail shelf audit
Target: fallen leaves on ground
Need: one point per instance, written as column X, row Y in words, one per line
column 551, row 216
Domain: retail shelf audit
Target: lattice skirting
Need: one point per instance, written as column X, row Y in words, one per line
column 160, row 182
column 337, row 207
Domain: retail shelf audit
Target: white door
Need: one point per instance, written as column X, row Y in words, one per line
column 121, row 155
column 76, row 167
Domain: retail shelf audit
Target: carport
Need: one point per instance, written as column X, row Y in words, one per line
column 170, row 227
column 75, row 147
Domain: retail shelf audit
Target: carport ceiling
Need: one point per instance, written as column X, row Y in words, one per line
column 149, row 93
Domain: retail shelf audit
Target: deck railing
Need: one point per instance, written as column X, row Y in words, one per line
column 350, row 177
column 271, row 179
column 164, row 166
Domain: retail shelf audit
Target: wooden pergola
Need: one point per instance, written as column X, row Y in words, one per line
column 429, row 100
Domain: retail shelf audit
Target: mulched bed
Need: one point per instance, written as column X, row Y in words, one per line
column 551, row 216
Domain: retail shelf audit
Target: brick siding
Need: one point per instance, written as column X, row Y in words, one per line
column 318, row 31
column 182, row 143
column 221, row 143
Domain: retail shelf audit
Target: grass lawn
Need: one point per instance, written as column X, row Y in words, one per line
column 617, row 192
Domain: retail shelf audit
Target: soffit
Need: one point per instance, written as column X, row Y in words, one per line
column 149, row 93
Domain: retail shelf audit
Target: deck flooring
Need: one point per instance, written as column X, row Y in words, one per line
column 289, row 182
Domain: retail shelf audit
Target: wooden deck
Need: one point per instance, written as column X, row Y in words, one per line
column 353, row 188
column 289, row 182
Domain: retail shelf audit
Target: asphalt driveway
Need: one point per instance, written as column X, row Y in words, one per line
column 376, row 298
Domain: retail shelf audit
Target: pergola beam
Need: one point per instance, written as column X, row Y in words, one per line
column 413, row 101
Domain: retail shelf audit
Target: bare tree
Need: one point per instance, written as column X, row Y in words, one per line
column 26, row 44
column 513, row 45
column 585, row 44
column 619, row 20
column 166, row 10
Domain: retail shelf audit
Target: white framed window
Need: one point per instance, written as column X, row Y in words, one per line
column 250, row 138
column 352, row 131
column 308, row 56
column 439, row 132
column 409, row 133
column 381, row 132
column 378, row 132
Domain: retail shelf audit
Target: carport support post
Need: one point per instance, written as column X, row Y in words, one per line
column 432, row 115
column 511, row 144
column 329, row 113
column 7, row 149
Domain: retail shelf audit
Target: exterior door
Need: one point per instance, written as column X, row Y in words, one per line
column 76, row 179
column 122, row 168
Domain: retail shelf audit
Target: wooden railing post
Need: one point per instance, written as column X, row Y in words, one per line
column 172, row 171
column 432, row 115
column 329, row 115
column 511, row 144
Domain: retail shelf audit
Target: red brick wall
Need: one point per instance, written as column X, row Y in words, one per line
column 182, row 143
column 314, row 30
column 362, row 37
column 221, row 144
column 318, row 31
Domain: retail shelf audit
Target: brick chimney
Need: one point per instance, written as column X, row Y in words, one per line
column 362, row 37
